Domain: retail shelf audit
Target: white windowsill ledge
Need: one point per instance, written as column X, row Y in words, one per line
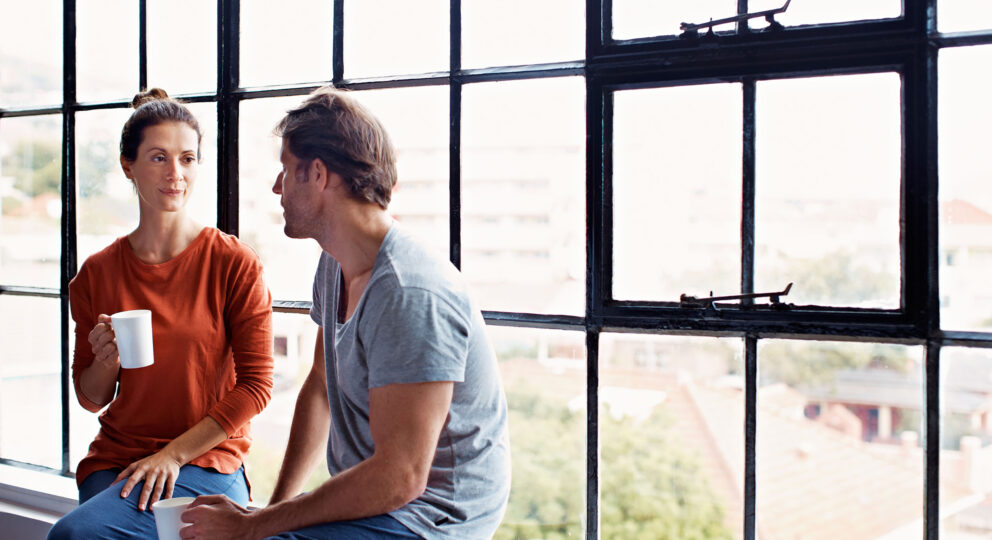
column 34, row 498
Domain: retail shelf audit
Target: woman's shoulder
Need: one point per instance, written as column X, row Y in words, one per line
column 230, row 247
column 108, row 255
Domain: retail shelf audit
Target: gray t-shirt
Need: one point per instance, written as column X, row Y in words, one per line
column 415, row 323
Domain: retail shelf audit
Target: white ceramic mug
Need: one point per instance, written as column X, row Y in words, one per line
column 133, row 330
column 167, row 512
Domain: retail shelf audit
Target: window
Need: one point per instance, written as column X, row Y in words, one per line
column 595, row 197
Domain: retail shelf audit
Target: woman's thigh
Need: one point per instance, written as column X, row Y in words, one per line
column 95, row 483
column 107, row 515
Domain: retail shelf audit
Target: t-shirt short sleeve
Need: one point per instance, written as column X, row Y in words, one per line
column 319, row 283
column 411, row 335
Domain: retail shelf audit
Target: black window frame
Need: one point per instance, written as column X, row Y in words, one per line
column 908, row 45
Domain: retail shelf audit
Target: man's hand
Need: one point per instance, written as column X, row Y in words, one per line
column 159, row 471
column 216, row 516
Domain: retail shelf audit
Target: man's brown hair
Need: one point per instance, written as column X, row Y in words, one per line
column 333, row 127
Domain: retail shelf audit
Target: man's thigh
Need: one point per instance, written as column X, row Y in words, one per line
column 372, row 528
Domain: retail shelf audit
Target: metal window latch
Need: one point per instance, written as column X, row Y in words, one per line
column 774, row 298
column 690, row 30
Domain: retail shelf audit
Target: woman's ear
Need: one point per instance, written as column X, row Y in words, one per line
column 126, row 167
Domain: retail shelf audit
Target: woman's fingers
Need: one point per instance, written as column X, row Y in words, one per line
column 136, row 476
column 152, row 490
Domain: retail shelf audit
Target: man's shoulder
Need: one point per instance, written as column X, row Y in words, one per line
column 407, row 264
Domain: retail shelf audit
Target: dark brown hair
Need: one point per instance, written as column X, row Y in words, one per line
column 333, row 127
column 153, row 107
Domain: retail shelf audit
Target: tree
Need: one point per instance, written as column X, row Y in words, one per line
column 35, row 166
column 651, row 487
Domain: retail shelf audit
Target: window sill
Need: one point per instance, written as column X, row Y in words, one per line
column 34, row 497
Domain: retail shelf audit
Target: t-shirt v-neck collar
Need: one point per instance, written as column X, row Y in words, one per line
column 340, row 285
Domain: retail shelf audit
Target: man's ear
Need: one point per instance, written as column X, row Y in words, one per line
column 318, row 173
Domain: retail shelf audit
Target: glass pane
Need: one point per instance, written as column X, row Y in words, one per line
column 107, row 205
column 800, row 12
column 294, row 337
column 288, row 44
column 523, row 194
column 30, row 370
column 289, row 264
column 182, row 65
column 417, row 122
column 635, row 18
column 677, row 192
column 395, row 37
column 31, row 42
column 828, row 172
column 30, row 205
column 965, row 189
column 853, row 409
column 671, row 424
column 964, row 15
column 203, row 205
column 544, row 374
column 496, row 33
column 106, row 61
column 966, row 443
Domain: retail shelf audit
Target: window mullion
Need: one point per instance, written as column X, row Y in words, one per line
column 142, row 44
column 337, row 45
column 931, row 443
column 748, row 188
column 592, row 434
column 228, row 59
column 68, row 219
column 455, row 135
column 750, row 435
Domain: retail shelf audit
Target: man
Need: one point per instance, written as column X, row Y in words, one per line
column 404, row 390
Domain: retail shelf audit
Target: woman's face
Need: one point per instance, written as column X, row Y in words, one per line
column 165, row 168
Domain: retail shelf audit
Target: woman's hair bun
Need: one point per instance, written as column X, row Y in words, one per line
column 152, row 94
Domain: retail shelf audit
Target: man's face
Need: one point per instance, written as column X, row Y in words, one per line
column 293, row 185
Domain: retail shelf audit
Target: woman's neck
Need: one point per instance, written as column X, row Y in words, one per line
column 163, row 237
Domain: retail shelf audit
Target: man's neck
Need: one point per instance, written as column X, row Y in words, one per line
column 355, row 237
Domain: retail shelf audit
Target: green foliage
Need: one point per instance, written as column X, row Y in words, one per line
column 797, row 363
column 35, row 166
column 839, row 279
column 651, row 488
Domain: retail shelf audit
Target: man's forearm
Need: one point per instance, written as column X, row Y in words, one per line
column 370, row 488
column 307, row 439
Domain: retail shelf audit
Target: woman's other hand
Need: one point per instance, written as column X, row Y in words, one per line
column 104, row 345
column 159, row 472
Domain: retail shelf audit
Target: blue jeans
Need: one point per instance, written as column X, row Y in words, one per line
column 380, row 527
column 103, row 514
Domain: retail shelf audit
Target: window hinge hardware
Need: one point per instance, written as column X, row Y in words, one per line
column 774, row 298
column 690, row 30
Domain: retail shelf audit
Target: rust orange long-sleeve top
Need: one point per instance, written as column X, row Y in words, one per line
column 212, row 337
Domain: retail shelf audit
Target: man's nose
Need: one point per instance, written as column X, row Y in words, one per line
column 277, row 186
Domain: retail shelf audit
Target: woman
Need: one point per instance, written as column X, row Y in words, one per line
column 179, row 427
